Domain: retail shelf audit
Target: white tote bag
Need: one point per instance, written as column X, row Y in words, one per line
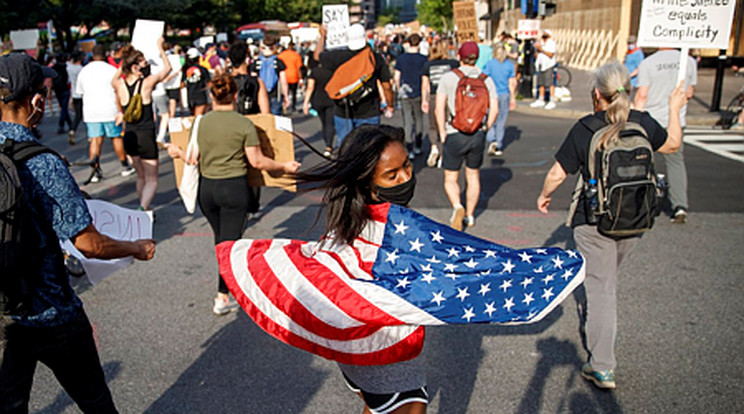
column 189, row 187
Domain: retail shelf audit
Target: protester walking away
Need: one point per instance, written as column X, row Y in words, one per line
column 134, row 92
column 42, row 318
column 603, row 148
column 251, row 99
column 657, row 75
column 544, row 65
column 316, row 98
column 101, row 112
column 389, row 270
column 633, row 59
column 407, row 77
column 172, row 82
column 272, row 71
column 468, row 96
column 61, row 88
column 501, row 71
column 431, row 73
column 195, row 78
column 228, row 146
column 73, row 70
column 293, row 63
column 354, row 83
column 210, row 60
column 484, row 54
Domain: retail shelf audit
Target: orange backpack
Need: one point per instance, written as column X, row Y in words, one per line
column 471, row 102
column 352, row 81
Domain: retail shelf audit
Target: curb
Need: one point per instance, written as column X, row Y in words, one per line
column 710, row 119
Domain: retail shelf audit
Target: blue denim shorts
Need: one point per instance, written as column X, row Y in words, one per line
column 103, row 129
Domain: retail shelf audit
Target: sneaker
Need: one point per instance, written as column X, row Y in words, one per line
column 602, row 379
column 550, row 105
column 97, row 176
column 458, row 213
column 71, row 137
column 417, row 150
column 411, row 155
column 679, row 216
column 127, row 171
column 537, row 104
column 431, row 161
column 470, row 221
column 328, row 153
column 494, row 150
column 223, row 308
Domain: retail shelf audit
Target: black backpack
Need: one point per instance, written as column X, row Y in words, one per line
column 247, row 102
column 20, row 251
column 629, row 195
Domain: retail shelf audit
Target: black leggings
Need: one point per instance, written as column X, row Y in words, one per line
column 329, row 128
column 77, row 104
column 225, row 204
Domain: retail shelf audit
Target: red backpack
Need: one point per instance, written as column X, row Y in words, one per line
column 471, row 102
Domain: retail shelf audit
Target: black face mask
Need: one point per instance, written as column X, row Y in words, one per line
column 400, row 194
column 145, row 70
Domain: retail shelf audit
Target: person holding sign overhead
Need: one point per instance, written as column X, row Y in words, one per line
column 228, row 147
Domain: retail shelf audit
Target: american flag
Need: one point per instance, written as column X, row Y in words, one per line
column 366, row 304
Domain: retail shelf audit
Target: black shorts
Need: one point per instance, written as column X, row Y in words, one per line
column 387, row 403
column 141, row 143
column 458, row 147
column 174, row 94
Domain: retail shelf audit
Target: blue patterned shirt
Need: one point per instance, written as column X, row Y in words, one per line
column 53, row 194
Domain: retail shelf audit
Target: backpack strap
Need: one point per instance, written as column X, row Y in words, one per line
column 21, row 152
column 458, row 72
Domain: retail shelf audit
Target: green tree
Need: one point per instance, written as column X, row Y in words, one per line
column 436, row 14
column 390, row 15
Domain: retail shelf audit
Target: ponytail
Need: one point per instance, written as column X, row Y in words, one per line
column 613, row 84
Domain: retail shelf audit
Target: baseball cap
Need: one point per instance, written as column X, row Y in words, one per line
column 467, row 49
column 193, row 53
column 21, row 75
column 547, row 32
column 357, row 37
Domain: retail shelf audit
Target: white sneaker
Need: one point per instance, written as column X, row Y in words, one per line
column 431, row 161
column 537, row 104
column 470, row 221
column 223, row 308
column 550, row 105
column 127, row 171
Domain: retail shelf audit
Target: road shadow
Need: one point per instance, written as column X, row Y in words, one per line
column 452, row 375
column 242, row 369
column 63, row 401
column 511, row 134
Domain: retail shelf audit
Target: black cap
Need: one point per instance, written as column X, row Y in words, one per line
column 21, row 75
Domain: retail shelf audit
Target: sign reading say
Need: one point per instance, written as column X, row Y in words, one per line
column 336, row 21
column 700, row 24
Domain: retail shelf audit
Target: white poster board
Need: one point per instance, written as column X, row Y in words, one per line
column 336, row 21
column 203, row 41
column 528, row 29
column 146, row 35
column 24, row 39
column 686, row 24
column 221, row 37
column 118, row 223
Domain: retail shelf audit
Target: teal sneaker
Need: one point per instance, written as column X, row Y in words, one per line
column 602, row 379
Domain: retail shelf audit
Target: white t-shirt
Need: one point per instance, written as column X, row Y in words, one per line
column 448, row 86
column 175, row 62
column 99, row 98
column 543, row 62
column 659, row 72
column 73, row 70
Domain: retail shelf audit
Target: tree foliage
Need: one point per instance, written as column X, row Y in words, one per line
column 436, row 14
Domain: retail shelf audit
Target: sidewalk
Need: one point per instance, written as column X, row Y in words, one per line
column 698, row 112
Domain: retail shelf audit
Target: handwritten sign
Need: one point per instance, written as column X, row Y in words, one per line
column 118, row 223
column 145, row 37
column 336, row 21
column 703, row 24
column 24, row 39
column 466, row 21
column 528, row 29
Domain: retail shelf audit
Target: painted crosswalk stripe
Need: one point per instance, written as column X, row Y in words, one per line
column 726, row 143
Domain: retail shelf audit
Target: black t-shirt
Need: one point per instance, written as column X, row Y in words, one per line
column 196, row 77
column 369, row 106
column 573, row 153
column 434, row 69
column 320, row 98
column 248, row 88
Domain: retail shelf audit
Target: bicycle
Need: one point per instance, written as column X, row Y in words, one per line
column 562, row 76
column 733, row 111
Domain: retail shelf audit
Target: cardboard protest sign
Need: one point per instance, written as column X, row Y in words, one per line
column 336, row 21
column 24, row 39
column 145, row 37
column 118, row 223
column 528, row 29
column 87, row 45
column 277, row 143
column 466, row 21
column 702, row 24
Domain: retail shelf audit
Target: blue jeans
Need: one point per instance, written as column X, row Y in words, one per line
column 345, row 125
column 64, row 115
column 275, row 105
column 496, row 133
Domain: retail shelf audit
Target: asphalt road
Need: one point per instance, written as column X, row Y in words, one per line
column 680, row 309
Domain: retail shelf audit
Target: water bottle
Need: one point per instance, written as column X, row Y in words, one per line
column 591, row 201
column 313, row 112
